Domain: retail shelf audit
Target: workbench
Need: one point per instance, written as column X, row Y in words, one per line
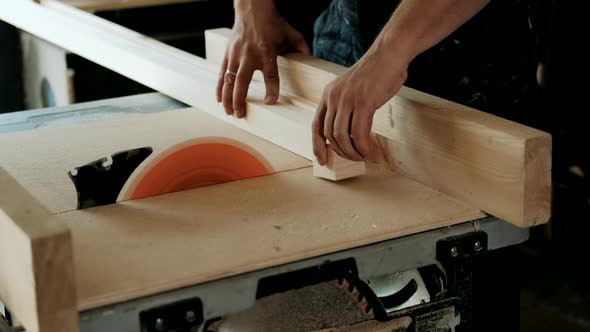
column 375, row 254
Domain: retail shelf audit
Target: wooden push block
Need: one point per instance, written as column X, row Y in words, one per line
column 338, row 168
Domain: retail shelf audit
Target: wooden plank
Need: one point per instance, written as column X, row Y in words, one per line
column 40, row 159
column 171, row 71
column 206, row 234
column 499, row 166
column 36, row 259
column 338, row 168
column 104, row 5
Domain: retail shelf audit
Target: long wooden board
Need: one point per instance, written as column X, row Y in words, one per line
column 169, row 70
column 36, row 262
column 40, row 159
column 165, row 242
column 499, row 166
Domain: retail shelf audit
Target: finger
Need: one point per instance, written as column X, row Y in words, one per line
column 329, row 129
column 342, row 133
column 222, row 70
column 361, row 134
column 243, row 80
column 229, row 80
column 317, row 134
column 271, row 80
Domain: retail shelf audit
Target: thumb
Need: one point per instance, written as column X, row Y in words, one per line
column 301, row 46
column 298, row 43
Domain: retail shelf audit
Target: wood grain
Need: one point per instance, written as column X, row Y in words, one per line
column 186, row 238
column 337, row 168
column 499, row 166
column 36, row 259
column 40, row 159
column 173, row 72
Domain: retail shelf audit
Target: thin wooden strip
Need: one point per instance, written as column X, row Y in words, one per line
column 499, row 166
column 36, row 262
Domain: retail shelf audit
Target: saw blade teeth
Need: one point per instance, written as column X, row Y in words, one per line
column 355, row 295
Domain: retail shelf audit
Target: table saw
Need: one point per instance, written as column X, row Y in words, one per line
column 157, row 212
column 383, row 270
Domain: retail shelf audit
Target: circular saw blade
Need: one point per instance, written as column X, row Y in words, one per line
column 194, row 164
column 316, row 307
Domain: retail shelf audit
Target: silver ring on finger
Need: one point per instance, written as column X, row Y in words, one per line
column 229, row 77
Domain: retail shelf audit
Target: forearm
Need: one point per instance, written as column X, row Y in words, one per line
column 418, row 25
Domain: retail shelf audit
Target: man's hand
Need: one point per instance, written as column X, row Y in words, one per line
column 259, row 35
column 345, row 114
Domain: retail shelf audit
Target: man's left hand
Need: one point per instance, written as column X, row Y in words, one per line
column 345, row 114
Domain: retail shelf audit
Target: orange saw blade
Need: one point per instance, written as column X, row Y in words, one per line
column 194, row 164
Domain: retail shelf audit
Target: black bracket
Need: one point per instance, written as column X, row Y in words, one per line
column 183, row 316
column 461, row 246
column 456, row 255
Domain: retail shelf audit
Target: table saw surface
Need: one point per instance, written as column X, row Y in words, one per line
column 138, row 248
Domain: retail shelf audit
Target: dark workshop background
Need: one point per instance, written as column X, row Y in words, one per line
column 550, row 268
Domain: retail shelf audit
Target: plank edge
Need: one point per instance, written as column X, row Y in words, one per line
column 39, row 281
column 538, row 187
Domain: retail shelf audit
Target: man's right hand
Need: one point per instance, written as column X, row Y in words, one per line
column 260, row 34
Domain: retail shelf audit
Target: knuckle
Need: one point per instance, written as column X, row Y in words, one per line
column 363, row 106
column 265, row 49
column 251, row 50
column 333, row 95
column 245, row 45
column 271, row 77
column 235, row 47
